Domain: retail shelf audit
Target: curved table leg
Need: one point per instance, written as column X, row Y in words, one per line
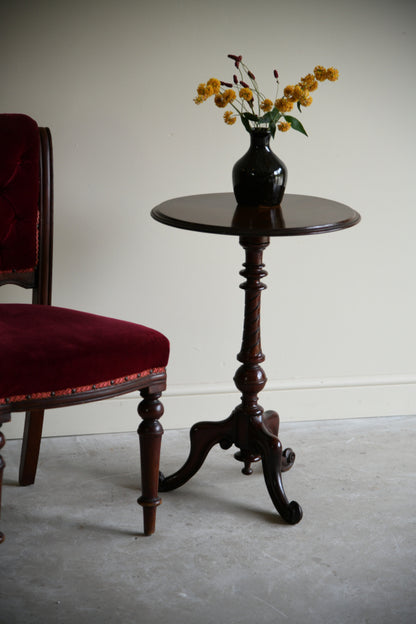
column 203, row 437
column 254, row 432
column 273, row 464
column 271, row 422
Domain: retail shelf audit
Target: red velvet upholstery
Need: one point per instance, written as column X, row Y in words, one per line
column 19, row 192
column 47, row 349
column 50, row 356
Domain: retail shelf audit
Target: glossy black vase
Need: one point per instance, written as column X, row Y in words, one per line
column 259, row 177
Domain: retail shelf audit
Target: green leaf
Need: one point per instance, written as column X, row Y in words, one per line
column 245, row 123
column 295, row 123
column 275, row 114
column 249, row 117
column 298, row 105
column 270, row 117
column 272, row 126
column 265, row 118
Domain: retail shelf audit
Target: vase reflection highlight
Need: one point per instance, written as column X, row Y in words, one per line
column 258, row 217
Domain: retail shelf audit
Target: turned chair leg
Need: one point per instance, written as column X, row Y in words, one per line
column 150, row 435
column 2, row 465
column 30, row 447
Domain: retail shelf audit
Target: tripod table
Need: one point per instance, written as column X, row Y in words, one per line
column 252, row 430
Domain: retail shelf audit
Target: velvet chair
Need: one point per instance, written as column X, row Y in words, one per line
column 50, row 356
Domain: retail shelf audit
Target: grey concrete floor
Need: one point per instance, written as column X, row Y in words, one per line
column 74, row 552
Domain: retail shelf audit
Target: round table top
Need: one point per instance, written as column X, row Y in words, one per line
column 218, row 213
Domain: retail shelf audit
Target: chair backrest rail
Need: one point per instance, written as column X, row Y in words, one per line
column 39, row 279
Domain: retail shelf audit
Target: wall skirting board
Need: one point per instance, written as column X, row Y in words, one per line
column 295, row 400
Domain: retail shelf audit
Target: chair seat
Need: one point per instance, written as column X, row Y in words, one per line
column 47, row 349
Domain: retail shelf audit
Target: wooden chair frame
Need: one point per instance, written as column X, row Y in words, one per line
column 150, row 384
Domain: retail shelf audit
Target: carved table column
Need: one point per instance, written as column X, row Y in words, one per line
column 253, row 431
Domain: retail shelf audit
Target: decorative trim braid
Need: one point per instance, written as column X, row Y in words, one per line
column 17, row 271
column 80, row 389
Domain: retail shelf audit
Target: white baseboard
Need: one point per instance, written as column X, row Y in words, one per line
column 295, row 400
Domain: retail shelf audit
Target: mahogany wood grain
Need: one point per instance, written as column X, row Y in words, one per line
column 218, row 213
column 253, row 431
column 150, row 435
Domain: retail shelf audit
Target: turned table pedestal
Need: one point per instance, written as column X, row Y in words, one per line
column 252, row 430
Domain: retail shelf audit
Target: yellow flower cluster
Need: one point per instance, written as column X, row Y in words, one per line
column 229, row 118
column 251, row 105
column 283, row 105
column 246, row 94
column 205, row 91
column 332, row 74
column 266, row 106
column 322, row 74
column 223, row 99
column 300, row 92
column 284, row 126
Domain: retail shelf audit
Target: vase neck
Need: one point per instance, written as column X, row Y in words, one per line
column 260, row 137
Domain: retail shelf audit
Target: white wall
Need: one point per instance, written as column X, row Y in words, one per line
column 114, row 80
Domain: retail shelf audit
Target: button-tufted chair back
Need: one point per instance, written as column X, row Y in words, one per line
column 25, row 205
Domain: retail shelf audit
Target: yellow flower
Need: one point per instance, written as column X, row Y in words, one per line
column 298, row 93
column 306, row 99
column 246, row 94
column 219, row 101
column 229, row 96
column 240, row 97
column 266, row 105
column 283, row 126
column 229, row 118
column 320, row 73
column 283, row 105
column 309, row 82
column 204, row 91
column 289, row 93
column 215, row 84
column 332, row 74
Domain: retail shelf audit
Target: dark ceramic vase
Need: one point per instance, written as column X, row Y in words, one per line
column 259, row 177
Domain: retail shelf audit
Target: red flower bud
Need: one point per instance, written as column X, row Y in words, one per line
column 235, row 79
column 252, row 76
column 244, row 84
column 276, row 74
column 235, row 58
column 226, row 84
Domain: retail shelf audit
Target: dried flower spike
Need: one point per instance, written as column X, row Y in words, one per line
column 254, row 109
column 237, row 59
